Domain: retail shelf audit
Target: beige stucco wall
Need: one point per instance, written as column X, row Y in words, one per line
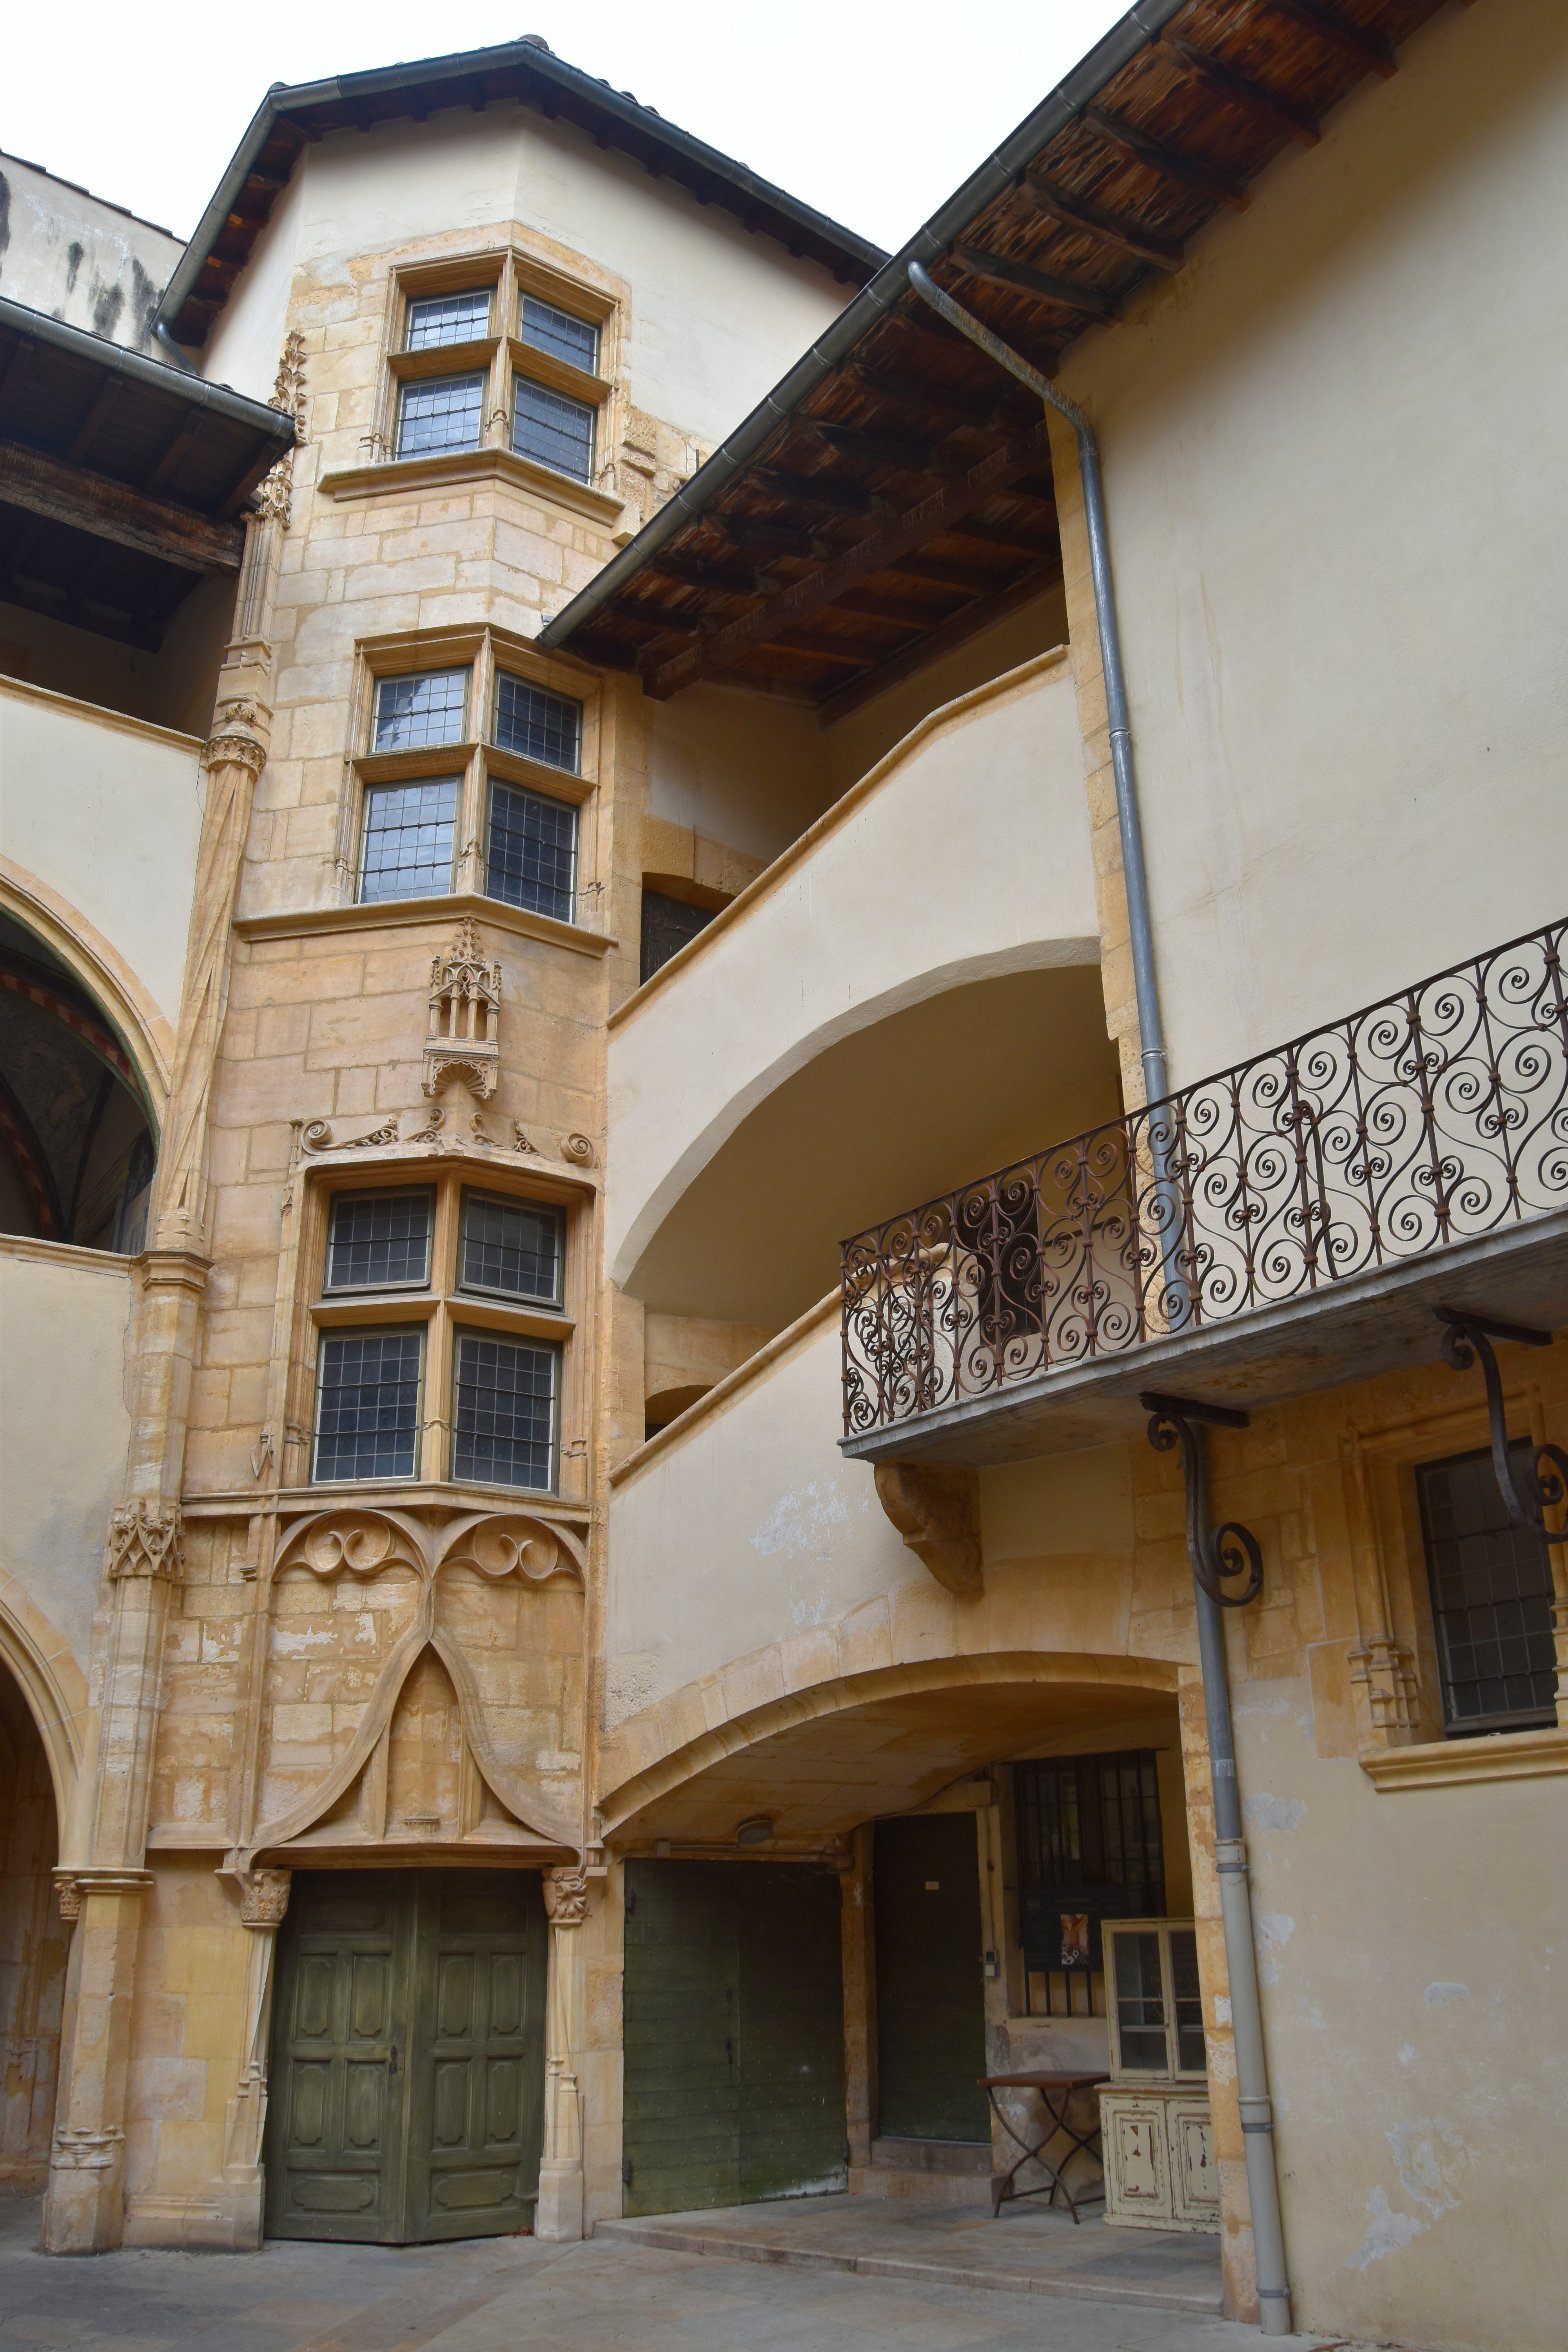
column 64, row 1410
column 1337, row 524
column 75, row 256
column 717, row 315
column 963, row 856
column 105, row 811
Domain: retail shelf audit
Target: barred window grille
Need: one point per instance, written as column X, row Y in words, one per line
column 667, row 926
column 407, row 840
column 379, row 1241
column 413, row 713
column 537, row 724
column 553, row 430
column 532, row 853
column 511, row 1248
column 1089, row 1849
column 439, row 318
column 441, row 414
column 367, row 1406
column 504, row 1416
column 1491, row 1599
column 558, row 332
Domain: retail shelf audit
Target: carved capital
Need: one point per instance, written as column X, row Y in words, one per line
column 86, row 2151
column 235, row 746
column 144, row 1539
column 263, row 1896
column 566, row 1895
column 68, row 1894
column 935, row 1508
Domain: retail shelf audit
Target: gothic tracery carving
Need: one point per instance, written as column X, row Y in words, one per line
column 463, row 1036
column 144, row 1539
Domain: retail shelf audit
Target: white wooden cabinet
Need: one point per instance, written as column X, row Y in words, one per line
column 1155, row 2128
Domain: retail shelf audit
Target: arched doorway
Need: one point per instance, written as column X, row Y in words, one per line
column 33, row 1947
column 77, row 1149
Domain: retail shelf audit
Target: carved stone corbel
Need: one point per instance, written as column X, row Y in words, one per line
column 263, row 1896
column 935, row 1506
column 144, row 1539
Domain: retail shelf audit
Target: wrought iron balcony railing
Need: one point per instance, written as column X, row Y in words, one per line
column 1434, row 1118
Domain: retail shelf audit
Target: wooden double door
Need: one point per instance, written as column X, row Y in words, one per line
column 406, row 2082
column 734, row 2034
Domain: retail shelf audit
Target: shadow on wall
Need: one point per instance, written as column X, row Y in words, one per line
column 77, row 1150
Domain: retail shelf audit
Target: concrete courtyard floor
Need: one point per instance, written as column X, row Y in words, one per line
column 613, row 2294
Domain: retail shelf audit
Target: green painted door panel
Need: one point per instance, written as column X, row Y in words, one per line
column 406, row 2077
column 931, row 1999
column 734, row 2034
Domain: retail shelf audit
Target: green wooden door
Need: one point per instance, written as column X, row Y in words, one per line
column 931, row 1999
column 734, row 2034
column 406, row 2076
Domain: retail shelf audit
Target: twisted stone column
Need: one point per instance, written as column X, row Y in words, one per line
column 560, row 2209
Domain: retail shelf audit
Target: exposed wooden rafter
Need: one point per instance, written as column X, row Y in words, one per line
column 1043, row 283
column 107, row 509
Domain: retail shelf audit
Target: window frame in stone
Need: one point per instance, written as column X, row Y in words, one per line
column 358, row 1196
column 472, row 1197
column 477, row 331
column 341, row 1335
column 445, row 1306
column 428, row 385
column 466, row 1335
column 1526, row 1552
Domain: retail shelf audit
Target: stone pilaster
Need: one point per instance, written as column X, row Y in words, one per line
column 263, row 1900
column 84, row 2209
column 560, row 2209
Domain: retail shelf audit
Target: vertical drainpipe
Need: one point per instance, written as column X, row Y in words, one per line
column 1230, row 1851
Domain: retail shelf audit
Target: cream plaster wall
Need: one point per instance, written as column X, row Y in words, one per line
column 63, row 1409
column 105, row 811
column 1411, row 2010
column 76, row 257
column 750, row 772
column 1337, row 525
column 717, row 315
column 963, row 855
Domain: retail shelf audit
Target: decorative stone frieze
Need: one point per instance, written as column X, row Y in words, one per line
column 276, row 496
column 463, row 1036
column 144, row 1539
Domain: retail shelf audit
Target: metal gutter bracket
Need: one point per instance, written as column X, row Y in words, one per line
column 1466, row 1339
column 1219, row 1554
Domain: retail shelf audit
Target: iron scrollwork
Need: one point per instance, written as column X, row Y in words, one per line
column 1431, row 1118
column 1220, row 1555
column 1529, row 1489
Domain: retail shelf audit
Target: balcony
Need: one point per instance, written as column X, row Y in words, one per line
column 1286, row 1227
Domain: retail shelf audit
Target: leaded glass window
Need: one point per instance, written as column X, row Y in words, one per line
column 440, row 413
column 1491, row 1599
column 511, row 1248
column 537, row 724
column 553, row 430
column 367, row 1405
column 407, row 840
column 423, row 708
column 533, row 851
column 503, row 1416
column 438, row 319
column 379, row 1241
column 558, row 332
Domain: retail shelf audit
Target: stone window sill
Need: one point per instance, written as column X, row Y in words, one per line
column 1498, row 1756
column 404, row 474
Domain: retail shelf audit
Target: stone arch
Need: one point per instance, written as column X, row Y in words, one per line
column 1117, row 1684
column 53, row 1686
column 100, row 968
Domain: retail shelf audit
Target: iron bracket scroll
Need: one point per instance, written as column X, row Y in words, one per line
column 1466, row 1339
column 1217, row 1554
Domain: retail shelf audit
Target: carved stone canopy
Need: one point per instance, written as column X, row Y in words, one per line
column 463, row 1036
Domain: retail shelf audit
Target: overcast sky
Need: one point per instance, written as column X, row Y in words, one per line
column 872, row 113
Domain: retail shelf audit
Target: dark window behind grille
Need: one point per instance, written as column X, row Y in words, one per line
column 441, row 318
column 667, row 925
column 538, row 725
column 556, row 431
column 550, row 329
column 1491, row 1599
column 440, row 413
column 379, row 1241
column 367, row 1408
column 407, row 840
column 533, row 852
column 511, row 1248
column 1090, row 1848
column 504, row 1424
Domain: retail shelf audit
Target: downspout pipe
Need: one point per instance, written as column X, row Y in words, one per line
column 1150, row 1029
column 1230, row 1851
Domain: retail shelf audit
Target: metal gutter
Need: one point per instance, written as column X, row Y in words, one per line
column 886, row 290
column 283, row 100
column 155, row 375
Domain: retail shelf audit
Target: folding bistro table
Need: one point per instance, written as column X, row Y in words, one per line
column 1057, row 2093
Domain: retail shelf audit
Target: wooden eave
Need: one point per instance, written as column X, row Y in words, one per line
column 783, row 578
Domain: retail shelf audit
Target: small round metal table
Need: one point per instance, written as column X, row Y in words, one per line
column 1057, row 2094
